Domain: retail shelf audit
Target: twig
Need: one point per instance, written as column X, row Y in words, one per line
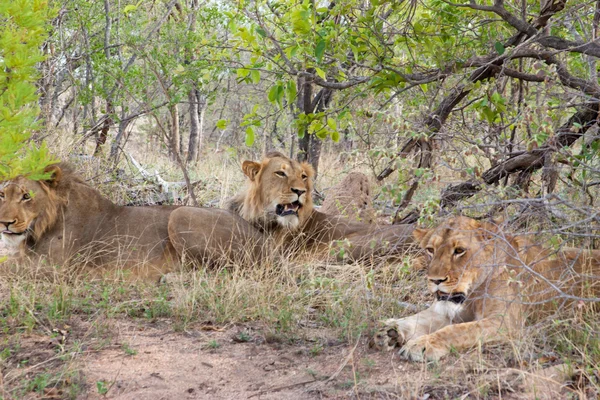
column 279, row 388
column 341, row 367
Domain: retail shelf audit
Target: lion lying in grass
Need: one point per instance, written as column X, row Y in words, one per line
column 278, row 203
column 482, row 280
column 64, row 220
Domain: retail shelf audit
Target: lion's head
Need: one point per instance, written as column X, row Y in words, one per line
column 29, row 208
column 463, row 253
column 279, row 192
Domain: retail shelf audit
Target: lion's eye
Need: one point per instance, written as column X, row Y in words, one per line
column 26, row 197
column 429, row 250
column 458, row 251
column 281, row 174
column 2, row 195
column 304, row 177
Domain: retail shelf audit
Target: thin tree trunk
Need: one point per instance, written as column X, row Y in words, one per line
column 192, row 155
column 103, row 134
column 202, row 102
column 304, row 105
column 320, row 104
column 114, row 148
column 174, row 139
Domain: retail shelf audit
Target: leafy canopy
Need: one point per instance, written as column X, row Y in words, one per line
column 23, row 30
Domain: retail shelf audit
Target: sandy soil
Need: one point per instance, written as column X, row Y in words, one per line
column 141, row 360
column 183, row 365
column 186, row 365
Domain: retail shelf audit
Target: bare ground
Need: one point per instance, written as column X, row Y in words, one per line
column 131, row 359
column 169, row 365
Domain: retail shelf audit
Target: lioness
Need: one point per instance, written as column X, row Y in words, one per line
column 63, row 219
column 278, row 202
column 482, row 280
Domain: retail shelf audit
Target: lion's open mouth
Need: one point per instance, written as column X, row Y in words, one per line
column 288, row 209
column 456, row 298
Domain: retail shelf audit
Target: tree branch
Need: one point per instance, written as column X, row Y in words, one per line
column 566, row 135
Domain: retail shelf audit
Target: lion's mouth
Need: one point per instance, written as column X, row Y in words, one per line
column 7, row 232
column 288, row 209
column 456, row 298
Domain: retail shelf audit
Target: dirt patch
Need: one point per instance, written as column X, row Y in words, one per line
column 350, row 198
column 137, row 359
column 154, row 362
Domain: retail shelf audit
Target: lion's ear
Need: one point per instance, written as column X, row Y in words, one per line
column 487, row 230
column 55, row 175
column 308, row 169
column 251, row 169
column 521, row 242
column 422, row 235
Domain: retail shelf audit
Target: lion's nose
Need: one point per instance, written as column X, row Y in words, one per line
column 438, row 281
column 7, row 223
column 299, row 192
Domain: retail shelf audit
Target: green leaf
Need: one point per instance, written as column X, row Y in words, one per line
column 222, row 124
column 242, row 73
column 321, row 73
column 129, row 8
column 499, row 48
column 331, row 124
column 301, row 21
column 319, row 51
column 180, row 69
column 249, row 136
column 255, row 76
column 291, row 91
column 261, row 32
column 335, row 136
column 272, row 96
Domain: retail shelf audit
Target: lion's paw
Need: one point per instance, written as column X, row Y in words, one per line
column 424, row 348
column 389, row 337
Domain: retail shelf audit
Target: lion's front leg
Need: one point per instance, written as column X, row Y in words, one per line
column 396, row 332
column 462, row 336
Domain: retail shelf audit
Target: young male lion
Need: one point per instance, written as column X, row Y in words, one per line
column 62, row 219
column 278, row 203
column 482, row 280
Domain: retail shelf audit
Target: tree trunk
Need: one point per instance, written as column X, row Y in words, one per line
column 304, row 105
column 202, row 101
column 309, row 146
column 103, row 134
column 194, row 127
column 175, row 149
column 114, row 148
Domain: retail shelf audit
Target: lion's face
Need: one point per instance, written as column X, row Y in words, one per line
column 27, row 207
column 460, row 256
column 280, row 191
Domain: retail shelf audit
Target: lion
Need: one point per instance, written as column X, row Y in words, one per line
column 62, row 219
column 278, row 203
column 484, row 281
column 351, row 197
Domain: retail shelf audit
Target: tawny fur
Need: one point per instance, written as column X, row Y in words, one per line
column 315, row 230
column 62, row 220
column 499, row 274
column 351, row 198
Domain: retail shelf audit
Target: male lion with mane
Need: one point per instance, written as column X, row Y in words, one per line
column 484, row 281
column 278, row 203
column 63, row 219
